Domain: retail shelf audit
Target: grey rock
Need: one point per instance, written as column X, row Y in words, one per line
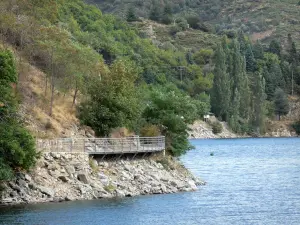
column 63, row 179
column 70, row 169
column 105, row 182
column 192, row 185
column 22, row 183
column 28, row 178
column 14, row 187
column 47, row 191
column 7, row 200
column 127, row 167
column 83, row 178
column 13, row 194
column 95, row 162
column 102, row 176
column 120, row 194
column 32, row 186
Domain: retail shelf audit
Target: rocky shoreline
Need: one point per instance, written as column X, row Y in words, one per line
column 74, row 176
column 202, row 130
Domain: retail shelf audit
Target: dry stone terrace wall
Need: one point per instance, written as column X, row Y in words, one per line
column 74, row 176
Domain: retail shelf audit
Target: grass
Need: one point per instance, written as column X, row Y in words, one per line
column 93, row 166
column 109, row 188
column 35, row 104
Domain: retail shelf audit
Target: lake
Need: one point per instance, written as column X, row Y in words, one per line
column 249, row 181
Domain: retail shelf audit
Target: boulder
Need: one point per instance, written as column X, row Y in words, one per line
column 192, row 185
column 70, row 169
column 28, row 178
column 63, row 179
column 47, row 191
column 83, row 178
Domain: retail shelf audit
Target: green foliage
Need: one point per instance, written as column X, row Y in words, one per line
column 193, row 21
column 281, row 103
column 17, row 146
column 150, row 130
column 172, row 110
column 296, row 126
column 113, row 101
column 131, row 15
column 217, row 127
column 258, row 103
column 221, row 93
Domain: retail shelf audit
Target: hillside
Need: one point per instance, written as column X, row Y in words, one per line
column 262, row 19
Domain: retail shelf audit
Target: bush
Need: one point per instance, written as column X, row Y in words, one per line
column 17, row 146
column 175, row 29
column 217, row 127
column 6, row 172
column 150, row 130
column 296, row 126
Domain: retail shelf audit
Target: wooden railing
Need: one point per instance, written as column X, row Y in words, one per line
column 134, row 144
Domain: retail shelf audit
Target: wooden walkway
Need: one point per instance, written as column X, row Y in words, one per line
column 104, row 146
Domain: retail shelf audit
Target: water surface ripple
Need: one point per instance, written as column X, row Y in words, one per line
column 249, row 181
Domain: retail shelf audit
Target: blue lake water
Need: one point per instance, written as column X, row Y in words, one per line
column 249, row 181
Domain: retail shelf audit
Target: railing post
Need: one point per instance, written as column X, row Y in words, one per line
column 71, row 146
column 84, row 145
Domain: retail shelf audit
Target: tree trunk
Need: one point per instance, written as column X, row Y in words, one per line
column 52, row 95
column 46, row 85
column 52, row 84
column 75, row 95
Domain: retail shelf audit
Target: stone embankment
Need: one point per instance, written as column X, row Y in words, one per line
column 74, row 176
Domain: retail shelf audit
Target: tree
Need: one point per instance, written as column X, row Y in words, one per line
column 281, row 103
column 17, row 146
column 155, row 13
column 258, row 103
column 275, row 48
column 250, row 60
column 131, row 15
column 220, row 94
column 193, row 21
column 234, row 112
column 258, row 51
column 113, row 101
column 167, row 15
column 172, row 110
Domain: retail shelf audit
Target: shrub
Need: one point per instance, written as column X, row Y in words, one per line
column 17, row 146
column 109, row 188
column 217, row 127
column 150, row 130
column 175, row 29
column 296, row 126
column 6, row 172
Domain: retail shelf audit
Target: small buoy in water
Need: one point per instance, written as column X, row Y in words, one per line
column 211, row 154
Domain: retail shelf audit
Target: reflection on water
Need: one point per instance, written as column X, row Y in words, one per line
column 250, row 181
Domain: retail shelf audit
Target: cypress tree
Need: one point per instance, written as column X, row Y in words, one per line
column 131, row 16
column 234, row 112
column 236, row 66
column 155, row 13
column 240, row 80
column 244, row 91
column 250, row 60
column 281, row 103
column 258, row 50
column 220, row 96
column 275, row 48
column 258, row 103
